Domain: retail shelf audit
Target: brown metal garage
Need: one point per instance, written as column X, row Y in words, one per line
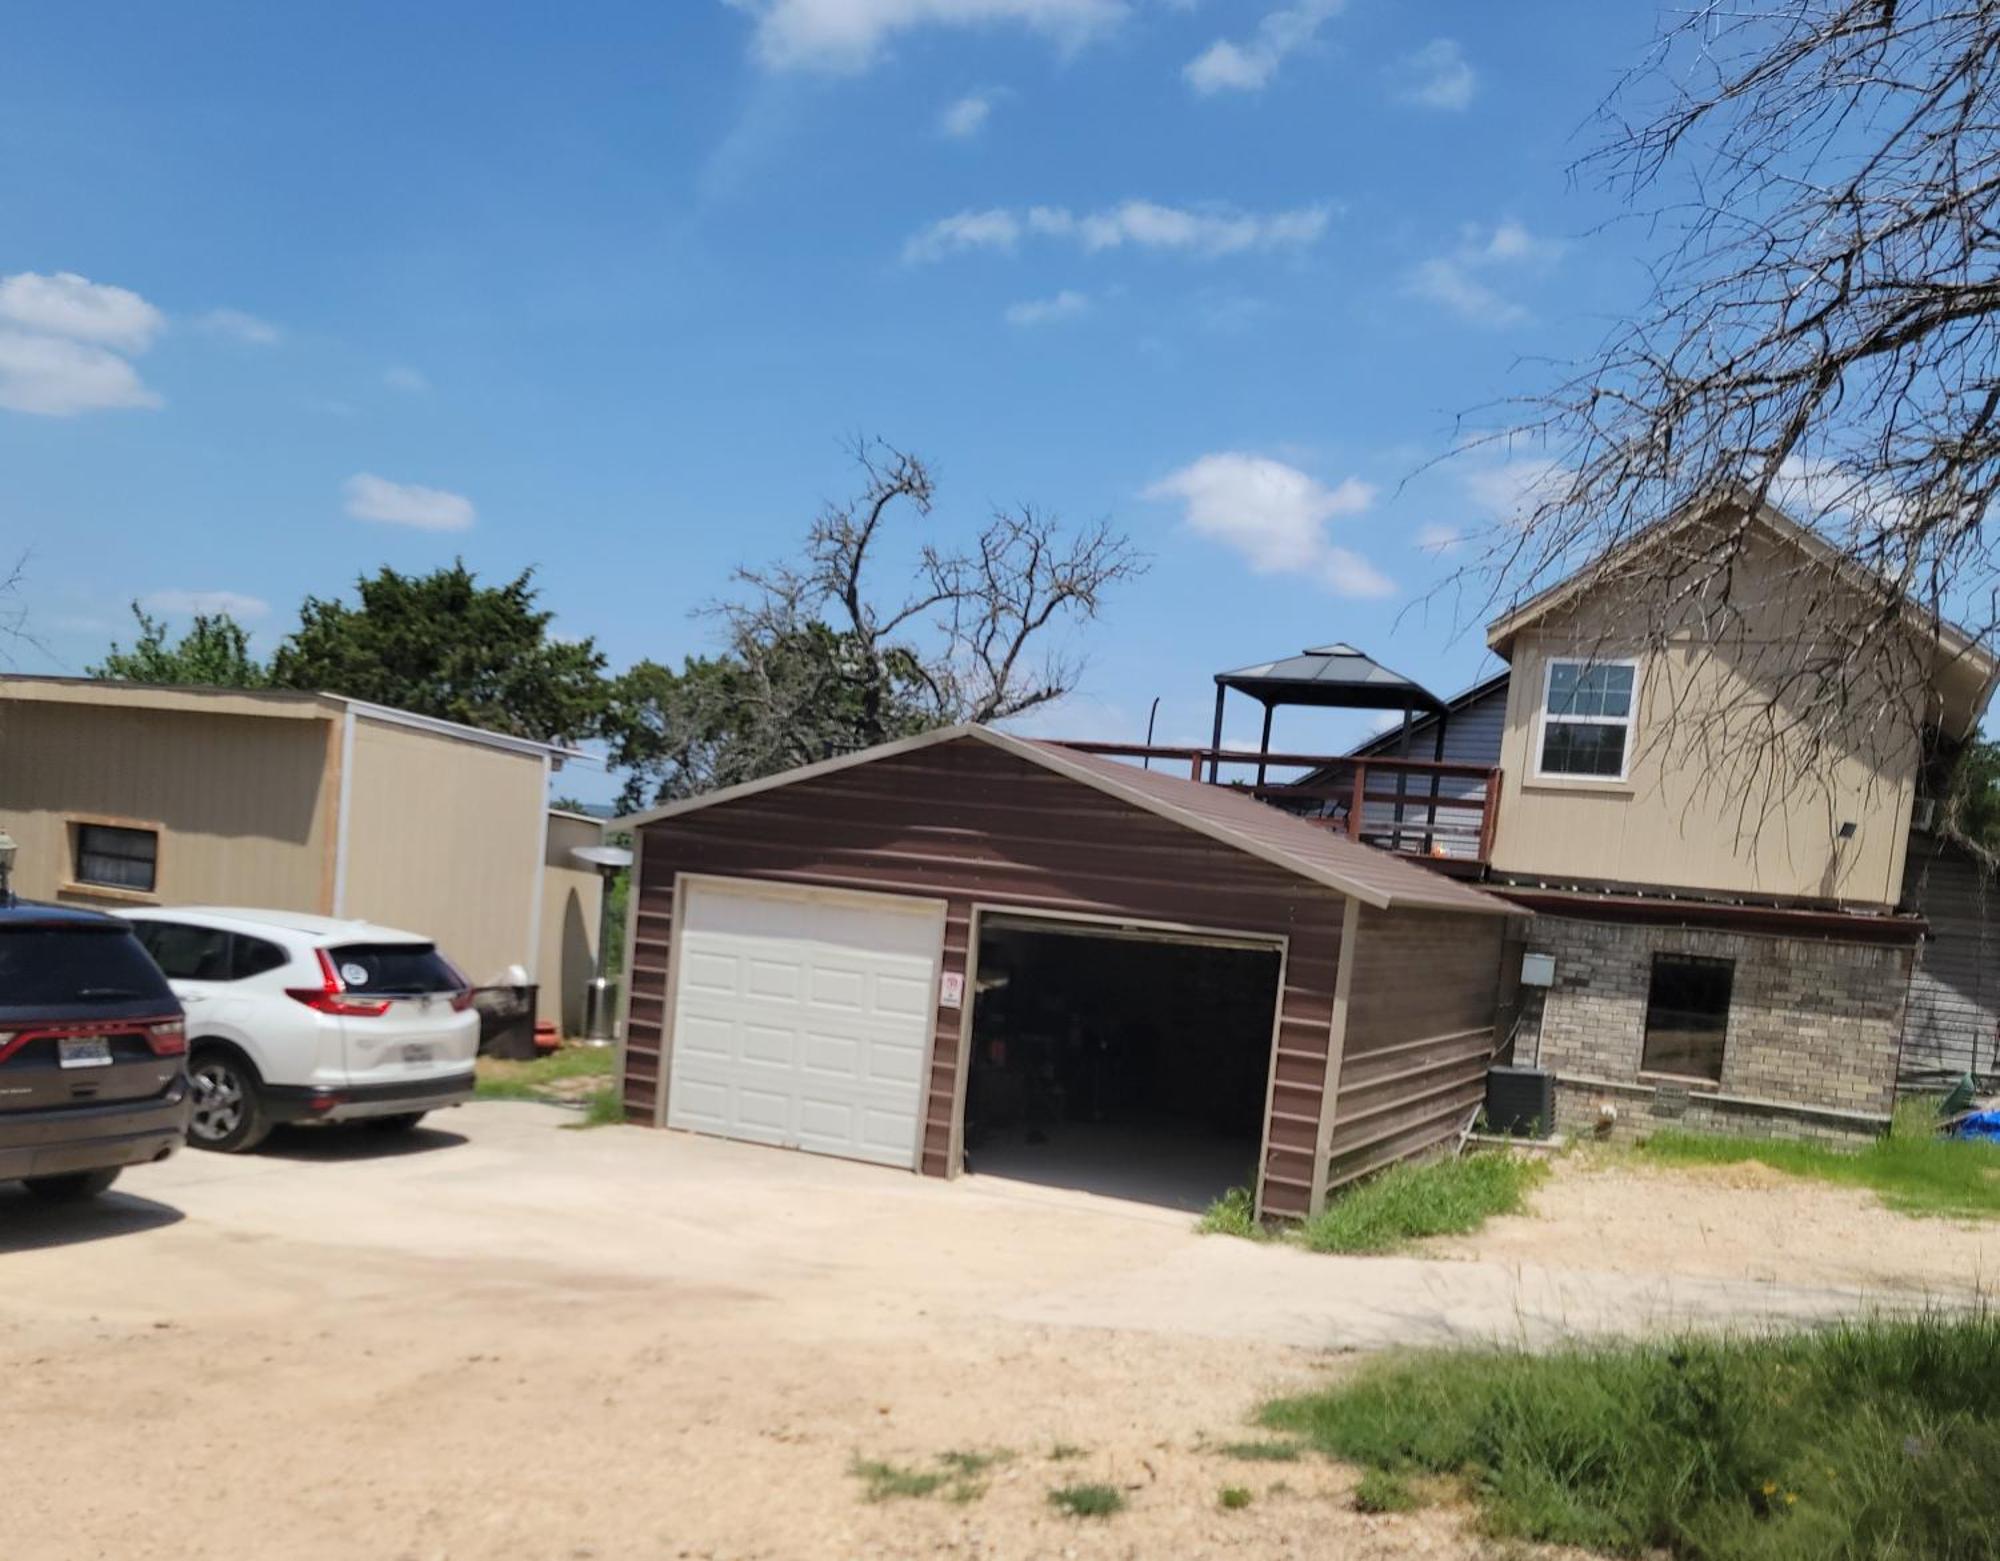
column 832, row 958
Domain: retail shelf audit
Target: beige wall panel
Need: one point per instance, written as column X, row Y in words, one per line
column 1694, row 811
column 572, row 904
column 238, row 799
column 444, row 838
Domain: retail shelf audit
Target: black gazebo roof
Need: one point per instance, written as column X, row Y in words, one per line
column 1330, row 675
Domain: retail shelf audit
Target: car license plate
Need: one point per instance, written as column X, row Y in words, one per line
column 415, row 1054
column 84, row 1052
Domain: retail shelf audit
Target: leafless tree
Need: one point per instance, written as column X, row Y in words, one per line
column 1823, row 333
column 967, row 637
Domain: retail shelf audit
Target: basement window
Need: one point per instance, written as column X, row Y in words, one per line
column 113, row 857
column 1687, row 1016
column 1587, row 719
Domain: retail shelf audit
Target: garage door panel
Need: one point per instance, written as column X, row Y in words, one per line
column 808, row 1018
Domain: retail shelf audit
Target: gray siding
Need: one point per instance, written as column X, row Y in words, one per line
column 1472, row 731
column 1955, row 990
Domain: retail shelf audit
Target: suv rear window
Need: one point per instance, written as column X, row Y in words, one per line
column 394, row 969
column 44, row 967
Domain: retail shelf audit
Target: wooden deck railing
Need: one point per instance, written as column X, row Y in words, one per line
column 1423, row 807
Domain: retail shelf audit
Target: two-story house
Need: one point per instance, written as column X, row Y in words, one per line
column 1718, row 853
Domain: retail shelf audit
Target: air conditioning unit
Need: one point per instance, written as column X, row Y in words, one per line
column 1520, row 1102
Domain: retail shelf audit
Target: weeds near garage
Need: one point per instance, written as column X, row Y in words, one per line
column 606, row 1108
column 1088, row 1501
column 1233, row 1214
column 1064, row 1452
column 1445, row 1197
column 1871, row 1441
column 1381, row 1491
column 1912, row 1169
column 560, row 1077
column 1232, row 1498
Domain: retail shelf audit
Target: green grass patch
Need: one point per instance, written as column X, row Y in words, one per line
column 1088, row 1501
column 1064, row 1452
column 1912, row 1168
column 956, row 1474
column 891, row 1481
column 1381, row 1491
column 1871, row 1441
column 1233, row 1214
column 1262, row 1452
column 576, row 1076
column 1232, row 1498
column 1443, row 1197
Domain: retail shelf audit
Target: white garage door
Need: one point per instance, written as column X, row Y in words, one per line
column 804, row 1019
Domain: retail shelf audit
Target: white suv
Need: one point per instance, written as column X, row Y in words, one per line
column 296, row 1018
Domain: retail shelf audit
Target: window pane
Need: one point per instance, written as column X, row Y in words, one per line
column 1687, row 1015
column 187, row 953
column 52, row 966
column 1574, row 748
column 117, row 858
column 393, row 969
column 1562, row 686
column 254, row 956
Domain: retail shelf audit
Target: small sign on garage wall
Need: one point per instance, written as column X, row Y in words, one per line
column 951, row 989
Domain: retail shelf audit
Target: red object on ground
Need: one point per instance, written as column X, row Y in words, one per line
column 547, row 1037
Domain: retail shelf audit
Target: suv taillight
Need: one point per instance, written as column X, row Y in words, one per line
column 329, row 997
column 169, row 1038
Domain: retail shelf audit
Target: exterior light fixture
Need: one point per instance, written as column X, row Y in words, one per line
column 8, row 851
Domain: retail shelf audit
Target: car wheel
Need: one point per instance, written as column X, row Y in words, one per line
column 228, row 1111
column 396, row 1124
column 73, row 1188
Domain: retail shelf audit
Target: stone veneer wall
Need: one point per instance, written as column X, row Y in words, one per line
column 1814, row 1029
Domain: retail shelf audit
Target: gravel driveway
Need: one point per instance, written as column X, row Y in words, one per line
column 506, row 1339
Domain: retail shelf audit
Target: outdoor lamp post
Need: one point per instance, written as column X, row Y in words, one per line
column 598, row 1007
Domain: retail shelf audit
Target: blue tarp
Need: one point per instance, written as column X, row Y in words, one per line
column 1981, row 1124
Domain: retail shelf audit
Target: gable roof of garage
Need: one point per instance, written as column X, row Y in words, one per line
column 1221, row 813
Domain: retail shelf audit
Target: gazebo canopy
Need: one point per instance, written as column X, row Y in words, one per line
column 1329, row 675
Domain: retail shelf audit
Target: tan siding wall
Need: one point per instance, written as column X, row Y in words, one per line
column 1420, row 1012
column 572, row 903
column 965, row 823
column 444, row 838
column 1691, row 815
column 243, row 801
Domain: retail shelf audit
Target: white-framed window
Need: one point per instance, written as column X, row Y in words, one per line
column 1586, row 724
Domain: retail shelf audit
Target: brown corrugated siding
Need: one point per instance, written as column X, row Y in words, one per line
column 1419, row 1035
column 966, row 822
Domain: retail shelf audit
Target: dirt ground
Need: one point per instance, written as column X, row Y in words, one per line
column 511, row 1340
column 1743, row 1221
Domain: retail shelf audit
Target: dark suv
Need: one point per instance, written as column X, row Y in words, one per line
column 93, row 1052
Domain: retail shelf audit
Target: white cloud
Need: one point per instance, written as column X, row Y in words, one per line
column 996, row 229
column 1439, row 540
column 1510, row 489
column 243, row 327
column 848, row 35
column 407, row 504
column 403, row 377
column 192, row 604
column 1249, row 66
column 1276, row 517
column 1065, row 305
column 1458, row 281
column 967, row 117
column 52, row 377
column 1437, row 76
column 1206, row 232
column 69, row 305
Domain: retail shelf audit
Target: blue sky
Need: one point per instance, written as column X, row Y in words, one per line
column 287, row 293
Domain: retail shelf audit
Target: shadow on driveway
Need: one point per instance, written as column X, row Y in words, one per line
column 349, row 1141
column 27, row 1224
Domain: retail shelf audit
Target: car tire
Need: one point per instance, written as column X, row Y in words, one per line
column 77, row 1187
column 228, row 1114
column 403, row 1123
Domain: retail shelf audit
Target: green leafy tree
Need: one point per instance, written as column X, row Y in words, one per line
column 444, row 645
column 1971, row 813
column 213, row 653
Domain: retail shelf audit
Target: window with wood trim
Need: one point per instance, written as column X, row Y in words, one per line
column 1586, row 719
column 111, row 856
column 1687, row 1015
